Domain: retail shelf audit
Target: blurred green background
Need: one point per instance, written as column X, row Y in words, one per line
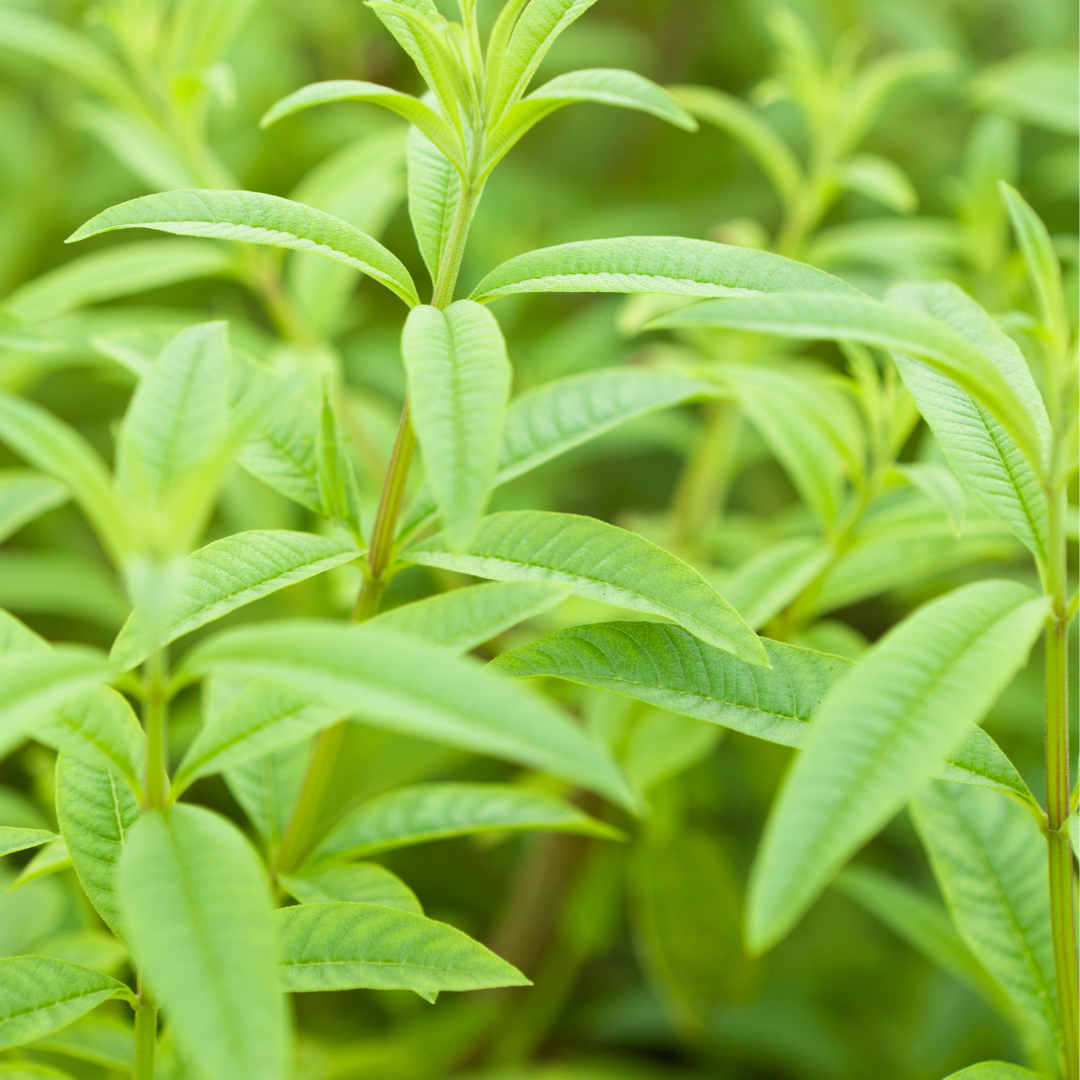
column 635, row 948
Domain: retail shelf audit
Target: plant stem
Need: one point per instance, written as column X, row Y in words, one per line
column 703, row 486
column 155, row 720
column 145, row 1037
column 1062, row 913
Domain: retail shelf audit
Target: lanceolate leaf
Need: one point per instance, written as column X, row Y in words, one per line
column 38, row 996
column 464, row 618
column 426, row 812
column 12, row 839
column 412, row 109
column 764, row 585
column 459, row 384
column 990, row 862
column 665, row 666
column 604, row 86
column 197, row 909
column 394, row 682
column 51, row 859
column 434, row 193
column 230, row 573
column 25, row 496
column 601, row 562
column 872, row 322
column 357, row 883
column 352, row 946
column 95, row 809
column 253, row 218
column 655, row 264
column 880, row 734
column 979, row 449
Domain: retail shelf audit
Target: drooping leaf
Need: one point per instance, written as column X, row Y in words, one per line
column 198, row 913
column 654, row 264
column 766, row 583
column 434, row 194
column 885, row 325
column 12, row 839
column 464, row 618
column 667, row 667
column 980, row 451
column 990, row 862
column 603, row 86
column 880, row 734
column 459, row 385
column 437, row 130
column 343, row 946
column 253, row 218
column 426, row 812
column 95, row 809
column 24, row 496
column 39, row 995
column 356, row 883
column 599, row 561
column 394, row 682
column 229, row 573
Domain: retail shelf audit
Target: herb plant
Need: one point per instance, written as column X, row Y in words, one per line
column 338, row 739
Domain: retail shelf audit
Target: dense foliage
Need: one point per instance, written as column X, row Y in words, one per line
column 621, row 569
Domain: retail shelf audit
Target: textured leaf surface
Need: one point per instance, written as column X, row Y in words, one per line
column 464, row 618
column 198, row 912
column 366, row 946
column 602, row 562
column 655, row 264
column 880, row 734
column 95, row 809
column 253, row 218
column 393, row 682
column 357, row 883
column 990, row 862
column 426, row 812
column 230, row 573
column 459, row 385
column 12, row 839
column 39, row 995
column 434, row 193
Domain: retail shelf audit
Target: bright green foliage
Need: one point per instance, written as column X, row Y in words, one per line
column 197, row 913
column 878, row 736
column 994, row 1070
column 601, row 562
column 38, row 995
column 12, row 839
column 25, row 496
column 342, row 946
column 767, row 583
column 428, row 812
column 356, row 883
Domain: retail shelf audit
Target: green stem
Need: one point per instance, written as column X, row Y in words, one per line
column 703, row 487
column 145, row 1037
column 156, row 722
column 1062, row 912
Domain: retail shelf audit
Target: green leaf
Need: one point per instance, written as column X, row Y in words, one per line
column 741, row 122
column 366, row 946
column 253, row 218
column 427, row 812
column 99, row 728
column 117, row 271
column 1044, row 270
column 1037, row 86
column 422, row 116
column 228, row 574
column 654, row 264
column 768, row 582
column 12, row 839
column 941, row 484
column 990, row 862
column 55, row 582
column 267, row 788
column 51, row 859
column 29, row 1071
column 535, row 31
column 885, row 325
column 358, row 883
column 995, row 1070
column 462, row 619
column 985, row 457
column 24, row 496
column 58, row 450
column 459, row 384
column 197, row 909
column 38, row 996
column 602, row 86
column 601, row 562
column 15, row 334
column 95, row 1038
column 15, row 637
column 880, row 734
column 95, row 809
column 665, row 666
column 434, row 194
column 394, row 682
column 879, row 179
